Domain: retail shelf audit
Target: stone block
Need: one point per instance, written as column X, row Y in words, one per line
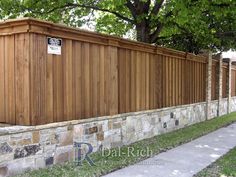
column 78, row 131
column 114, row 124
column 3, row 171
column 26, row 151
column 165, row 118
column 6, row 158
column 146, row 124
column 49, row 150
column 5, row 148
column 66, row 138
column 45, row 131
column 70, row 127
column 100, row 127
column 176, row 122
column 172, row 115
column 40, row 162
column 61, row 158
column 24, row 142
column 16, row 137
column 164, row 125
column 61, row 130
column 44, row 139
column 49, row 161
column 116, row 144
column 4, row 139
column 91, row 130
column 54, row 138
column 105, row 125
column 19, row 166
column 100, row 136
column 35, row 137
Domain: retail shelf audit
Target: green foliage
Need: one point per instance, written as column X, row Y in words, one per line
column 201, row 24
column 51, row 10
column 110, row 24
column 189, row 25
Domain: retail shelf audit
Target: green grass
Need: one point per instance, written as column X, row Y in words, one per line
column 156, row 144
column 225, row 166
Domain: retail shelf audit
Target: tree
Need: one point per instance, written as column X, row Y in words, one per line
column 188, row 25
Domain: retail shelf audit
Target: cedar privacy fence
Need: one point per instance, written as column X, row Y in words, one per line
column 92, row 75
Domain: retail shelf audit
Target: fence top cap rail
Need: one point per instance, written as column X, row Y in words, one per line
column 102, row 38
column 62, row 27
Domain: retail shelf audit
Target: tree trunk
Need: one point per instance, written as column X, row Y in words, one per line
column 143, row 32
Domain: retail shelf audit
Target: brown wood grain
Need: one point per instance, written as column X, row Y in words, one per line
column 2, row 80
column 22, row 70
column 94, row 77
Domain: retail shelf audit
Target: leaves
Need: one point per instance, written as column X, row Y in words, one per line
column 189, row 25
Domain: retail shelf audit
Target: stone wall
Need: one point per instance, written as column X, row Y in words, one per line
column 233, row 104
column 219, row 109
column 24, row 148
column 213, row 109
column 223, row 106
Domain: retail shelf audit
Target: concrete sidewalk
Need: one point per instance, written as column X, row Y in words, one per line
column 185, row 160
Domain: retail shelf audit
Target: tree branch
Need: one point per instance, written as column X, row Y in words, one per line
column 157, row 7
column 147, row 6
column 94, row 7
column 131, row 8
column 156, row 33
column 226, row 34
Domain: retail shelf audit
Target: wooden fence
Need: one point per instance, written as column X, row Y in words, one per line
column 150, row 81
column 96, row 75
column 233, row 81
column 224, row 80
column 215, row 79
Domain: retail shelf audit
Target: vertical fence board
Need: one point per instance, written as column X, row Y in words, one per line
column 37, row 78
column 147, row 80
column 107, row 80
column 85, row 80
column 224, row 81
column 102, row 101
column 122, row 80
column 10, row 79
column 113, row 57
column 22, row 90
column 95, row 79
column 58, row 88
column 77, row 62
column 49, row 102
column 128, row 80
column 2, row 80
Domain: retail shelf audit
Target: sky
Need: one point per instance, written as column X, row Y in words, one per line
column 230, row 54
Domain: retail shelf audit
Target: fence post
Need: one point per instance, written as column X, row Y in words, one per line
column 228, row 87
column 208, row 85
column 219, row 83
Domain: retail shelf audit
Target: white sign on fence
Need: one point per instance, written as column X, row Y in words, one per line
column 54, row 46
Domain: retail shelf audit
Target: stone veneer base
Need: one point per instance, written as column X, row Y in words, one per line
column 23, row 148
